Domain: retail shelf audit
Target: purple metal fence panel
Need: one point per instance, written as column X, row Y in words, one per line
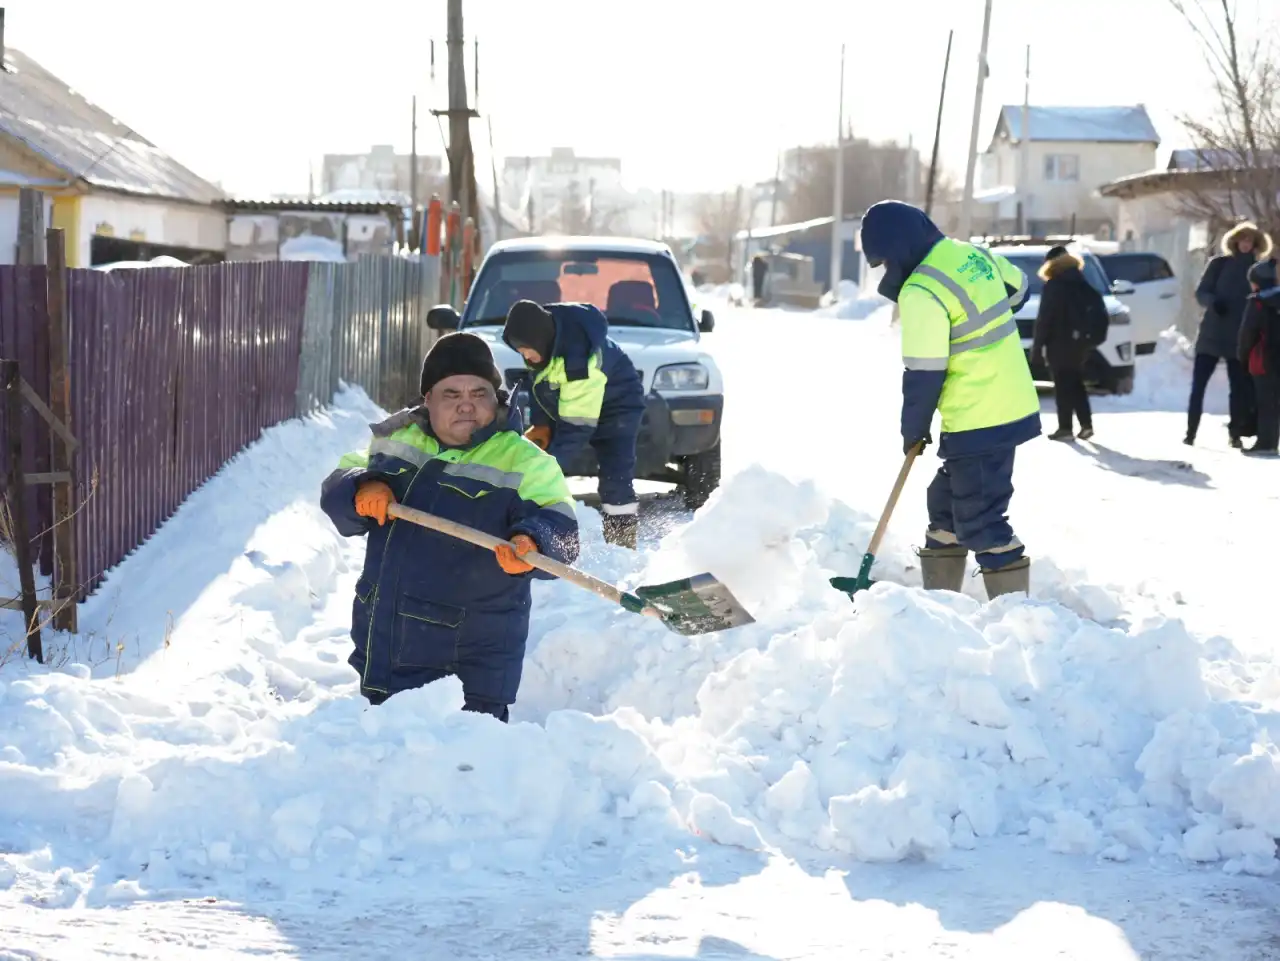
column 173, row 372
column 24, row 337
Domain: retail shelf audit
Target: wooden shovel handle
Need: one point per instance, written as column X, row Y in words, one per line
column 489, row 542
column 878, row 536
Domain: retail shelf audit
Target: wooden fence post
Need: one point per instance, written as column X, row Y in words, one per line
column 65, row 587
column 30, row 226
column 17, row 504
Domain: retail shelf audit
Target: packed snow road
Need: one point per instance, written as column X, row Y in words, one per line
column 922, row 776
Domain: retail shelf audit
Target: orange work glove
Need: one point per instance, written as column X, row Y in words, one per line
column 510, row 555
column 372, row 500
column 540, row 435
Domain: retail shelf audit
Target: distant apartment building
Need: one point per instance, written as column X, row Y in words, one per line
column 563, row 192
column 381, row 171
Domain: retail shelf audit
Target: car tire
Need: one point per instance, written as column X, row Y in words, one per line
column 701, row 477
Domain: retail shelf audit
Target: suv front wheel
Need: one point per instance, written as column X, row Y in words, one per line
column 701, row 477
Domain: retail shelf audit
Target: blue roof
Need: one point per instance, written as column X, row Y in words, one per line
column 1081, row 124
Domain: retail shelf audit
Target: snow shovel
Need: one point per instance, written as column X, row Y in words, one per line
column 851, row 585
column 694, row 605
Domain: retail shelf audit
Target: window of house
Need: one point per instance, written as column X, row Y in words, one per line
column 1063, row 167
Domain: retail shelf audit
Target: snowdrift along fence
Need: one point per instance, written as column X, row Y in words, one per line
column 174, row 371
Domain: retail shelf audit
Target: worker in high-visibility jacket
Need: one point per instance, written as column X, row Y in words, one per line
column 585, row 392
column 963, row 358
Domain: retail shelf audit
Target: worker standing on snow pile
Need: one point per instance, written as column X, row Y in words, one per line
column 428, row 605
column 964, row 359
column 585, row 390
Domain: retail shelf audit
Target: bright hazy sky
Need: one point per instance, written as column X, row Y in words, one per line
column 691, row 94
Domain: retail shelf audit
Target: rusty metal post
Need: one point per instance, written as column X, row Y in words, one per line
column 65, row 587
column 17, row 503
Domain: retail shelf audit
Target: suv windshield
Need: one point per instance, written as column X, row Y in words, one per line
column 633, row 289
column 1029, row 264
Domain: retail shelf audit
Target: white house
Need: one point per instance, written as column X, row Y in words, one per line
column 1069, row 154
column 115, row 194
column 1153, row 213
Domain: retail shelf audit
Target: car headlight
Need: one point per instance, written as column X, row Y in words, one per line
column 682, row 377
column 1120, row 316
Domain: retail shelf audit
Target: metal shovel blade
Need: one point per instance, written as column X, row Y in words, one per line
column 696, row 605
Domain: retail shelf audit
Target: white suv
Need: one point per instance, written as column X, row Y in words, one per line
column 1145, row 282
column 640, row 289
column 1110, row 366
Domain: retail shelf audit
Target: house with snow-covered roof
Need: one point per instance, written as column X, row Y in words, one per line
column 116, row 195
column 1056, row 169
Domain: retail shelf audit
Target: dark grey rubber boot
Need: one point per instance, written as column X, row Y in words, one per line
column 943, row 568
column 1009, row 580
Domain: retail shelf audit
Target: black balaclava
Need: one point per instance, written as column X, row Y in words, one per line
column 530, row 325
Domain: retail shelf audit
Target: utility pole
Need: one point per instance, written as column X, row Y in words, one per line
column 937, row 130
column 462, row 175
column 413, row 168
column 966, row 202
column 497, row 201
column 1024, row 155
column 777, row 184
column 837, row 223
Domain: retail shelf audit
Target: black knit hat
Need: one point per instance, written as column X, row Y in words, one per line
column 530, row 325
column 1263, row 274
column 458, row 353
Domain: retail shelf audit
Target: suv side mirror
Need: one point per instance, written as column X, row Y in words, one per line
column 708, row 322
column 1122, row 287
column 443, row 317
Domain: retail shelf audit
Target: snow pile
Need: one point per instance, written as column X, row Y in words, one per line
column 926, row 722
column 902, row 725
column 313, row 247
column 1162, row 380
column 851, row 303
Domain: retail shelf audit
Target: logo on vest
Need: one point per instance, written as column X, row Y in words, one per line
column 977, row 266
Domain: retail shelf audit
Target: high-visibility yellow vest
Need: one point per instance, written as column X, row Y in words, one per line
column 957, row 316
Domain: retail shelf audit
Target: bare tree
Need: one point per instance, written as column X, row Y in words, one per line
column 1238, row 146
column 872, row 172
column 719, row 217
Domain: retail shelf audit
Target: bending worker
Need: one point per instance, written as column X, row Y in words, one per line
column 963, row 357
column 585, row 391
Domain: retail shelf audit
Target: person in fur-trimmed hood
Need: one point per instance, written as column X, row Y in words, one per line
column 1223, row 292
column 1066, row 303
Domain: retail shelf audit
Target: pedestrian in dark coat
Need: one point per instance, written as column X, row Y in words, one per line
column 759, row 270
column 1222, row 292
column 1260, row 353
column 1064, row 301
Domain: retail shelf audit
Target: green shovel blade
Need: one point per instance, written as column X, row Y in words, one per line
column 851, row 585
column 696, row 605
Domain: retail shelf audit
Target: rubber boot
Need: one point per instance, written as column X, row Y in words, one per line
column 622, row 530
column 943, row 568
column 1008, row 580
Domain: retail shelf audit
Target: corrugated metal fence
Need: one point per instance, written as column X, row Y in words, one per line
column 24, row 338
column 366, row 324
column 173, row 371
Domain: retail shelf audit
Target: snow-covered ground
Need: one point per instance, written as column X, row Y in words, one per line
column 1087, row 773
